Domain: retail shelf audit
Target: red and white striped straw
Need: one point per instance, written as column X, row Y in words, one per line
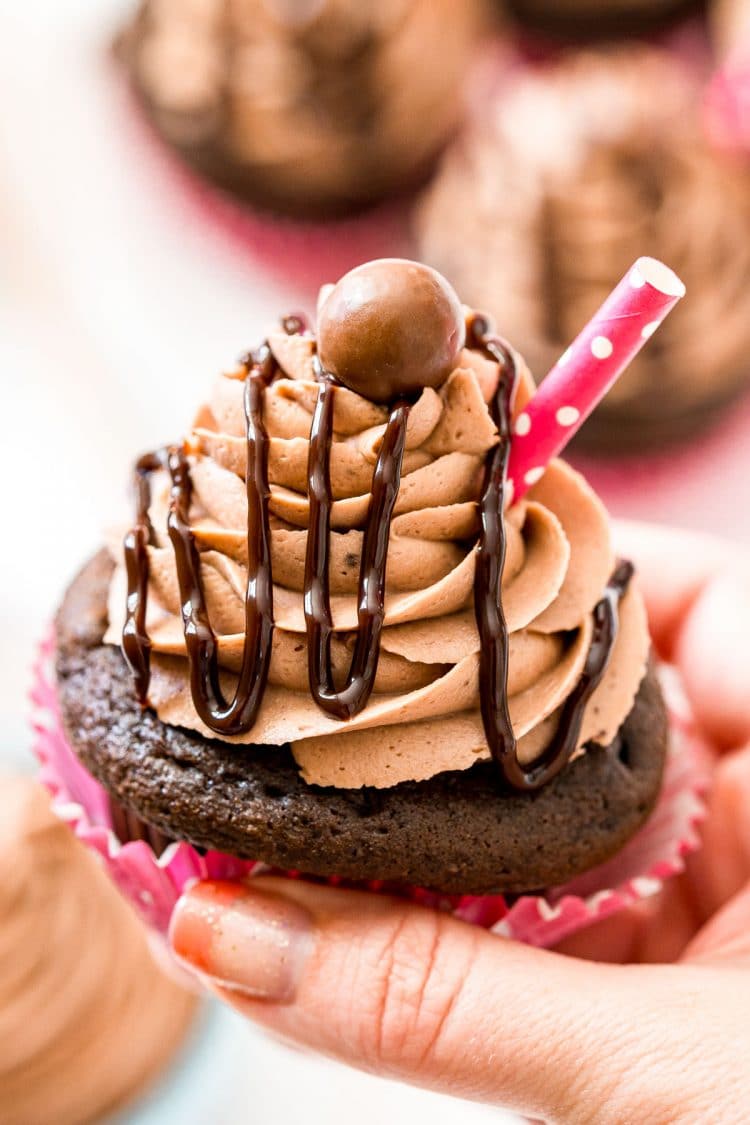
column 586, row 371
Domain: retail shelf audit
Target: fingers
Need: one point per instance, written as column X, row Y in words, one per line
column 673, row 567
column 697, row 591
column 726, row 938
column 660, row 928
column 656, row 930
column 403, row 990
column 712, row 651
column 722, row 866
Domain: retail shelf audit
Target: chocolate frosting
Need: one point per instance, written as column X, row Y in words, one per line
column 86, row 1017
column 569, row 174
column 273, row 99
column 420, row 714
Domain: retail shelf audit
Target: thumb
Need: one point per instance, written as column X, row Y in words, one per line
column 697, row 590
column 414, row 994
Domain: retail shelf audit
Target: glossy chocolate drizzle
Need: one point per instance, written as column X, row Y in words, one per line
column 353, row 696
column 136, row 644
column 488, row 603
column 237, row 715
column 221, row 715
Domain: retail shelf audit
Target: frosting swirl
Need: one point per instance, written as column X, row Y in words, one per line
column 423, row 717
column 80, row 1034
column 570, row 172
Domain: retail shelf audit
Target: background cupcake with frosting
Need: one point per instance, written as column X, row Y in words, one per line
column 540, row 207
column 299, row 130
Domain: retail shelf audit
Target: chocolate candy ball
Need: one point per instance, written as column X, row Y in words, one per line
column 390, row 328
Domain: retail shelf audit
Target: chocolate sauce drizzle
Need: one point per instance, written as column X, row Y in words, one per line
column 353, row 696
column 221, row 715
column 136, row 644
column 236, row 716
column 488, row 604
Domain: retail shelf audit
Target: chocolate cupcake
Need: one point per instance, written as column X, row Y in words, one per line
column 543, row 205
column 309, row 109
column 572, row 19
column 300, row 656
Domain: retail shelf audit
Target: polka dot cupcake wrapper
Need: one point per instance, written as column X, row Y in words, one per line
column 154, row 884
column 587, row 369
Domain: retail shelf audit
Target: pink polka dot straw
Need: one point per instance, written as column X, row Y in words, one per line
column 585, row 372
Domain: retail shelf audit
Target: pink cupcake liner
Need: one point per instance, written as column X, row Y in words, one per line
column 154, row 883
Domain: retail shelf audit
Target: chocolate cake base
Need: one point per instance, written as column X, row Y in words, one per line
column 459, row 832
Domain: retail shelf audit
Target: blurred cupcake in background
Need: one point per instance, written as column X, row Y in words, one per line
column 573, row 19
column 80, row 1036
column 310, row 108
column 575, row 170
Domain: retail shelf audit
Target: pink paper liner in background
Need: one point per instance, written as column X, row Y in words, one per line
column 154, row 884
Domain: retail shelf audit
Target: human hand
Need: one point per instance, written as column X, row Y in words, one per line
column 598, row 1030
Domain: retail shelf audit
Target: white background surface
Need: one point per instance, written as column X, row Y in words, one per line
column 118, row 302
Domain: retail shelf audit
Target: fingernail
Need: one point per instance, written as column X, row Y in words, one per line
column 243, row 938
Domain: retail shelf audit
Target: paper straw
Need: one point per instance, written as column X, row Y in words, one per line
column 584, row 373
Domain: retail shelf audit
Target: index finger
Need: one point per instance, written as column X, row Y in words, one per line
column 697, row 591
column 674, row 567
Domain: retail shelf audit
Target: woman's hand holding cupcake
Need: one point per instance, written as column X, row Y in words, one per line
column 414, row 994
column 274, row 520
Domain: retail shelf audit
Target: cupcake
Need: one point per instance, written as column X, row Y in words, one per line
column 549, row 197
column 309, row 109
column 87, row 1020
column 572, row 19
column 296, row 656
